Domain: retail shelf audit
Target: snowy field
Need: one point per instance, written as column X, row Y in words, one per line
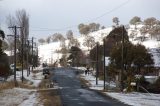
column 20, row 96
column 133, row 98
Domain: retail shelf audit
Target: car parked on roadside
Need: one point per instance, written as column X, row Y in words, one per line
column 46, row 71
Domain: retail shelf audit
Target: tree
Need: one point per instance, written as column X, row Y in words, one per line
column 116, row 34
column 151, row 26
column 142, row 57
column 2, row 35
column 103, row 27
column 116, row 21
column 94, row 27
column 21, row 19
column 150, row 21
column 41, row 40
column 84, row 29
column 48, row 40
column 69, row 35
column 4, row 61
column 134, row 56
column 135, row 20
column 89, row 41
column 5, row 45
column 76, row 56
column 73, row 42
column 57, row 37
column 133, row 34
column 143, row 31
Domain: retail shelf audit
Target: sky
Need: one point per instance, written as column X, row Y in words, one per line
column 58, row 16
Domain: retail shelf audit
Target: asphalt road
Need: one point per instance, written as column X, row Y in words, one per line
column 73, row 94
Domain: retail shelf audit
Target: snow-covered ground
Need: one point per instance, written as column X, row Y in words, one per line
column 92, row 82
column 34, row 78
column 133, row 98
column 21, row 96
column 18, row 97
column 136, row 99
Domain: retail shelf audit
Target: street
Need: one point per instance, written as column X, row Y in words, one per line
column 73, row 94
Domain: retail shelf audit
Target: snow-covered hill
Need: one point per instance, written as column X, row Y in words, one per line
column 47, row 52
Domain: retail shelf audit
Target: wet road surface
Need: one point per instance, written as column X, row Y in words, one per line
column 72, row 93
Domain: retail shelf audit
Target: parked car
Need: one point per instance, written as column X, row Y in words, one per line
column 46, row 71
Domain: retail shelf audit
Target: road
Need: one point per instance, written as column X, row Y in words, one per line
column 72, row 93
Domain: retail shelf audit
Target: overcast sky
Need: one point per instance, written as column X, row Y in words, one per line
column 50, row 16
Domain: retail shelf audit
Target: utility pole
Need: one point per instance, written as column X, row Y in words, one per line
column 22, row 55
column 27, row 57
column 104, row 67
column 32, row 53
column 122, row 67
column 97, row 73
column 15, row 49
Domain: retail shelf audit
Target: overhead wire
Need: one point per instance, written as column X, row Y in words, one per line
column 91, row 20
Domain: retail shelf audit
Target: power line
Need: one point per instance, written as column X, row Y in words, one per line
column 96, row 18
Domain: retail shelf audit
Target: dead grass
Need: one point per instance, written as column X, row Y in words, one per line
column 85, row 82
column 6, row 85
column 48, row 97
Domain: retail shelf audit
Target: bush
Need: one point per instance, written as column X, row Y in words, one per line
column 155, row 87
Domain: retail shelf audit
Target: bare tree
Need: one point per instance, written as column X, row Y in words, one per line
column 89, row 41
column 23, row 21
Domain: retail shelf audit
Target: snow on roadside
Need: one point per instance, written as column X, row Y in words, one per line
column 137, row 99
column 134, row 98
column 34, row 78
column 31, row 101
column 92, row 82
column 16, row 96
column 20, row 96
